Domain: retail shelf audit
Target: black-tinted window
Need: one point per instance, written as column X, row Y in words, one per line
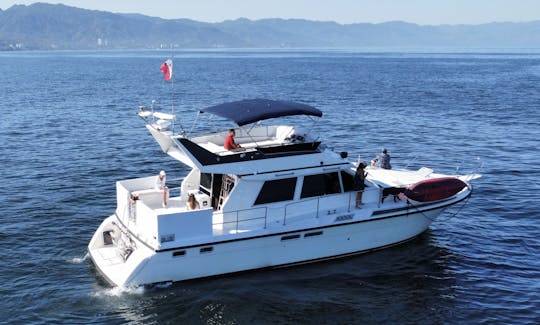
column 348, row 181
column 321, row 184
column 277, row 190
column 206, row 181
column 313, row 186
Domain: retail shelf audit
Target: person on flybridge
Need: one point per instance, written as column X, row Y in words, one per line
column 229, row 143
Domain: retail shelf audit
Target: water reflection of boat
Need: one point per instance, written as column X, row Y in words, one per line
column 280, row 200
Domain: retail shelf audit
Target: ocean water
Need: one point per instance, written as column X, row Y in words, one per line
column 68, row 131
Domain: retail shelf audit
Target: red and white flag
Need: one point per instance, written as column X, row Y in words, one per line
column 166, row 68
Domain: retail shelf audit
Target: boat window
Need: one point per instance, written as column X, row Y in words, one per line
column 206, row 183
column 277, row 190
column 347, row 180
column 289, row 237
column 320, row 184
column 311, row 234
column 206, row 249
column 179, row 253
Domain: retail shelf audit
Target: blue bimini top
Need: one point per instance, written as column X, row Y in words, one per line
column 253, row 110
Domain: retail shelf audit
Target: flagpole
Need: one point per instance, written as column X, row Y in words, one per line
column 168, row 71
column 172, row 93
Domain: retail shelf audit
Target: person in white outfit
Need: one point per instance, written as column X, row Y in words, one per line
column 161, row 181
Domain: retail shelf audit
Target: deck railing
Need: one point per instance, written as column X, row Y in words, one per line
column 175, row 188
column 238, row 221
column 247, row 218
column 348, row 207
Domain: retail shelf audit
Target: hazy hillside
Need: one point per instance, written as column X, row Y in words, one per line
column 46, row 26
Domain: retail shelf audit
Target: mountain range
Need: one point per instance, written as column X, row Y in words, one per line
column 43, row 26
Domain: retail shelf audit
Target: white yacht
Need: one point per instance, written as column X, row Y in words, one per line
column 282, row 199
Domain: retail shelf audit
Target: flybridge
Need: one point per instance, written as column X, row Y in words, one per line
column 258, row 142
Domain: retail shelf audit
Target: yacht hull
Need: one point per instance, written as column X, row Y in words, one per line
column 145, row 266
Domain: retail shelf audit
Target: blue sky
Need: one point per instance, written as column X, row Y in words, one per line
column 424, row 12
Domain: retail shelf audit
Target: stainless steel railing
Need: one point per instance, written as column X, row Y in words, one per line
column 235, row 217
column 237, row 221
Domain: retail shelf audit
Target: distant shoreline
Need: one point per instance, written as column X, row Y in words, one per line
column 336, row 50
column 43, row 26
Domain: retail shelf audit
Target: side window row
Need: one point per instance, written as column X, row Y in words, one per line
column 314, row 185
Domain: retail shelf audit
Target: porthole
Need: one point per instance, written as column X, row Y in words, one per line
column 289, row 237
column 311, row 234
column 206, row 249
column 179, row 253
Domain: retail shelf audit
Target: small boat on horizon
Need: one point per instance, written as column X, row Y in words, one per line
column 282, row 199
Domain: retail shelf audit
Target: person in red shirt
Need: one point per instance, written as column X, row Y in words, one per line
column 229, row 143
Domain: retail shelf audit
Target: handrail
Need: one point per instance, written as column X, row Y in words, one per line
column 238, row 221
column 174, row 180
column 351, row 196
column 444, row 165
column 318, row 198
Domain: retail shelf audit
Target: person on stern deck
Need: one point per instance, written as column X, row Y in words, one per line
column 160, row 186
column 192, row 203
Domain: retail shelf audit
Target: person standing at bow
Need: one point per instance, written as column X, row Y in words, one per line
column 359, row 185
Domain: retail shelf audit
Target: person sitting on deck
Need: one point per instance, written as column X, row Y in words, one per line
column 160, row 186
column 382, row 160
column 229, row 143
column 192, row 203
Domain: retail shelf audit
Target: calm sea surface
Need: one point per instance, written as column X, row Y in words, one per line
column 68, row 131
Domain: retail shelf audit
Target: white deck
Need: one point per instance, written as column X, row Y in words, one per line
column 109, row 255
column 262, row 136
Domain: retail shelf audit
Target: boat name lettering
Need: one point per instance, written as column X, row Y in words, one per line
column 344, row 217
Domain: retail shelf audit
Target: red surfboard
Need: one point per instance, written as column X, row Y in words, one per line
column 434, row 189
